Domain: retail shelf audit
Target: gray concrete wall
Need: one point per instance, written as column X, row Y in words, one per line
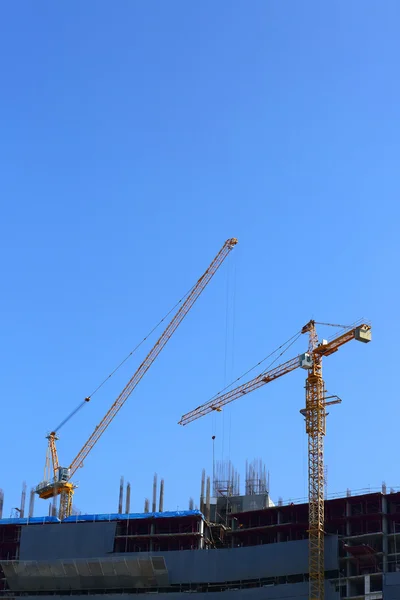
column 253, row 562
column 296, row 591
column 391, row 586
column 67, row 540
column 96, row 540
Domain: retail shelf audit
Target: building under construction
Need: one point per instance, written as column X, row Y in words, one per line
column 236, row 546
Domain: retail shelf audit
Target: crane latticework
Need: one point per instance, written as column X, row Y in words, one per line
column 61, row 485
column 66, row 502
column 53, row 451
column 216, row 403
column 154, row 352
column 315, row 428
column 315, row 417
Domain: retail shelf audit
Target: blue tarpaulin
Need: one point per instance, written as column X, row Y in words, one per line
column 110, row 517
column 133, row 516
column 29, row 521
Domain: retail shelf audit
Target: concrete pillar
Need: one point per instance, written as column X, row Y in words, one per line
column 128, row 499
column 121, row 495
column 201, row 537
column 154, row 504
column 278, row 521
column 161, row 503
column 151, row 539
column 385, row 543
column 31, row 503
column 348, row 513
column 202, row 490
column 208, row 499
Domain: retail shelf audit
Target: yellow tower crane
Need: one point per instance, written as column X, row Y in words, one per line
column 315, row 417
column 57, row 479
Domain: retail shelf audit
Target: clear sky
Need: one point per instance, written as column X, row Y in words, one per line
column 136, row 137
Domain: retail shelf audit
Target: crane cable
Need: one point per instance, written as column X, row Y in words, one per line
column 290, row 341
column 88, row 398
column 295, row 338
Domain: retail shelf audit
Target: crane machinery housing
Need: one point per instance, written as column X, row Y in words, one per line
column 315, row 418
column 57, row 479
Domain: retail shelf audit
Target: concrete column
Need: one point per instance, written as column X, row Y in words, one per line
column 201, row 538
column 151, row 539
column 385, row 543
column 278, row 520
column 348, row 513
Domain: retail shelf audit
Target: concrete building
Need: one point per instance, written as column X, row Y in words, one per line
column 252, row 554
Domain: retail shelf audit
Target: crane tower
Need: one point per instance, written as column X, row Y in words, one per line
column 315, row 417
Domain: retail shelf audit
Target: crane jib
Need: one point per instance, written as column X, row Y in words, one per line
column 361, row 332
column 315, row 416
column 62, row 485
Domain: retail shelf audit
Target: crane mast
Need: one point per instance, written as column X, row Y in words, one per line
column 315, row 417
column 59, row 483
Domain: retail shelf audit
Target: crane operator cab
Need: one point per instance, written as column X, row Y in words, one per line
column 63, row 474
column 305, row 360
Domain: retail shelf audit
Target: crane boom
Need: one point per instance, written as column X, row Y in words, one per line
column 216, row 404
column 154, row 352
column 61, row 483
column 219, row 401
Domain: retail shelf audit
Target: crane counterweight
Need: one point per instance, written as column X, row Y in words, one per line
column 363, row 334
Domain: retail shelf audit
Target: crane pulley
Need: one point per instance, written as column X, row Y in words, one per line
column 57, row 480
column 315, row 417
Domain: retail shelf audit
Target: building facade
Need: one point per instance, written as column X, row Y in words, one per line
column 252, row 554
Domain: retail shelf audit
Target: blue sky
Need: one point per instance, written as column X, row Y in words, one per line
column 135, row 138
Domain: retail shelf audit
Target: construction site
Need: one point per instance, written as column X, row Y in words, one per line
column 235, row 541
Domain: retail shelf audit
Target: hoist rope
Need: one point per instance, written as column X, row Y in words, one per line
column 290, row 341
column 83, row 402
